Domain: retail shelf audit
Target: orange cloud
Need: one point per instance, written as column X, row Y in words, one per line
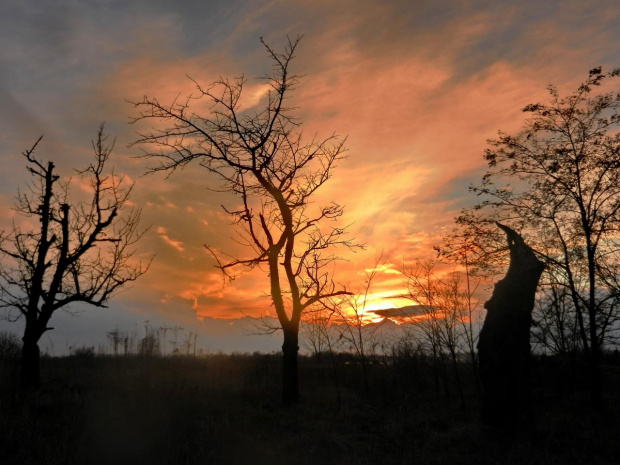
column 163, row 234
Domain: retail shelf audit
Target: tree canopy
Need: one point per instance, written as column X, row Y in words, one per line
column 557, row 181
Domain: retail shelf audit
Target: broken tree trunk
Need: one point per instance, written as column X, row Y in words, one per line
column 504, row 343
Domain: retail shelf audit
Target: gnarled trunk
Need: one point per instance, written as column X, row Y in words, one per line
column 290, row 381
column 504, row 344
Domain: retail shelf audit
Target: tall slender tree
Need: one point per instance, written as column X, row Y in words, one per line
column 261, row 157
column 558, row 182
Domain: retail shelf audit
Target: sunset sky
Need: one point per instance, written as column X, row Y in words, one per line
column 416, row 86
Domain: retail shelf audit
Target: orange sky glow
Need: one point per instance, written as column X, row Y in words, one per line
column 417, row 88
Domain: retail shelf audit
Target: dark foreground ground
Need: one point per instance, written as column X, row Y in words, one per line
column 225, row 410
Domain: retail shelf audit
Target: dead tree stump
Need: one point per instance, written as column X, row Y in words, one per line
column 504, row 343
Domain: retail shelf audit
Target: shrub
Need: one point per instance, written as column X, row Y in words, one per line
column 10, row 346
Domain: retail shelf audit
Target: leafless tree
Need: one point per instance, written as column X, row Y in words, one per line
column 10, row 348
column 163, row 333
column 189, row 343
column 321, row 335
column 351, row 312
column 175, row 341
column 149, row 345
column 317, row 332
column 71, row 252
column 448, row 315
column 117, row 338
column 261, row 156
column 555, row 325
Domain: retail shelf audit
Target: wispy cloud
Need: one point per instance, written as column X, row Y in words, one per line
column 416, row 86
column 163, row 234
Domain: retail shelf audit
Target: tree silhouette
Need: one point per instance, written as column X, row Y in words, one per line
column 557, row 181
column 352, row 313
column 445, row 315
column 261, row 157
column 504, row 342
column 70, row 252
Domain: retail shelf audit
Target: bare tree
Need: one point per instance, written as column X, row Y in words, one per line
column 149, row 345
column 555, row 325
column 117, row 338
column 351, row 311
column 189, row 343
column 470, row 308
column 261, row 157
column 72, row 251
column 163, row 332
column 10, row 348
column 318, row 336
column 321, row 335
column 175, row 341
column 447, row 316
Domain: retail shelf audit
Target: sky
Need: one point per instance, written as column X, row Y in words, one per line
column 417, row 87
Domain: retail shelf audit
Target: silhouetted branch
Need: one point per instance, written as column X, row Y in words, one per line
column 81, row 251
column 260, row 156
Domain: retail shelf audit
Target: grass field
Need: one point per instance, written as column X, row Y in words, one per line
column 225, row 409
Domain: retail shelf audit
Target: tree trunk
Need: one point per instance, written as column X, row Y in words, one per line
column 504, row 344
column 30, row 364
column 595, row 381
column 594, row 361
column 290, row 381
column 336, row 378
column 457, row 376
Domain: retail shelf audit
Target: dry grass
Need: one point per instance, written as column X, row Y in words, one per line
column 226, row 410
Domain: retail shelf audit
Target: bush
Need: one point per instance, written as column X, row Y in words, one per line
column 10, row 346
column 83, row 352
